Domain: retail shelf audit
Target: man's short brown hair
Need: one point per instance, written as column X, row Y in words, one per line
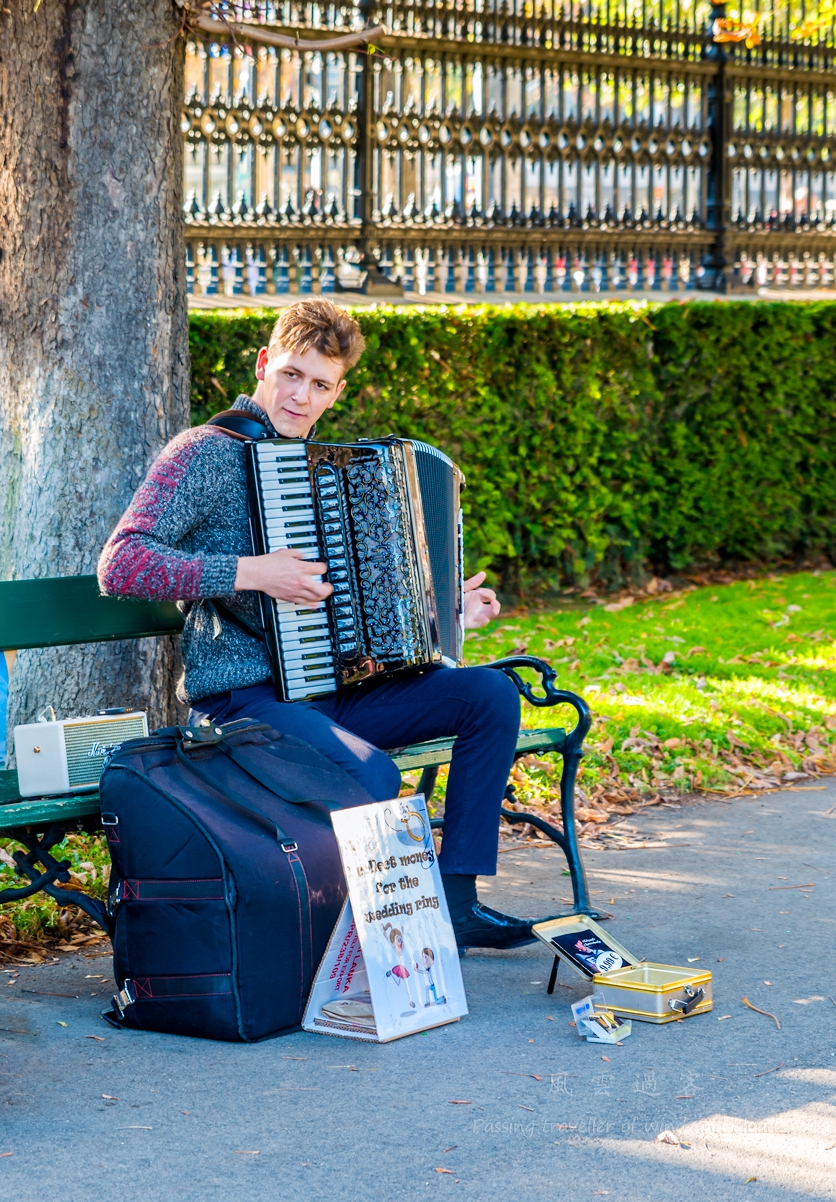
column 315, row 323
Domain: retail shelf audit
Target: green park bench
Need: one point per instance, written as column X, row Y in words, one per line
column 69, row 610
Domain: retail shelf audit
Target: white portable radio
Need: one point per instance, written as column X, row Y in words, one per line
column 68, row 756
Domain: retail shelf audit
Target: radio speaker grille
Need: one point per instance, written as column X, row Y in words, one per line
column 88, row 743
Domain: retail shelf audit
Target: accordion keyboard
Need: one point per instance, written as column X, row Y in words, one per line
column 305, row 646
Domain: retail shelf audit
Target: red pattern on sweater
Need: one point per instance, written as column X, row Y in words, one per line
column 133, row 570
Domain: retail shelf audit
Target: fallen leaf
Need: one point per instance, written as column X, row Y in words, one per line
column 728, row 895
column 450, row 1149
column 693, row 959
column 98, row 1038
column 549, row 1018
column 685, row 1095
column 695, row 650
column 459, row 1102
column 770, row 1070
column 531, row 1041
column 452, row 1172
column 720, row 959
column 777, row 888
column 606, row 1058
column 723, row 1017
column 245, row 1152
column 109, row 1097
column 667, row 1137
column 60, row 1024
column 767, row 982
column 2, row 1154
column 748, row 1179
column 746, row 1002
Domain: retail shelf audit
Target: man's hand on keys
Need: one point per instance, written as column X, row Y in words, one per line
column 285, row 575
column 480, row 604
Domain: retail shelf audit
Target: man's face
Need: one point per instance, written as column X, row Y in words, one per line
column 295, row 389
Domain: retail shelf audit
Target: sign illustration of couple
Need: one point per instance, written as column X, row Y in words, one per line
column 400, row 973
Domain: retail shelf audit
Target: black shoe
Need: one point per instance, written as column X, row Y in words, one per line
column 483, row 927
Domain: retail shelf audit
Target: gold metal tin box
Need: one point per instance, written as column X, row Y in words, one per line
column 652, row 993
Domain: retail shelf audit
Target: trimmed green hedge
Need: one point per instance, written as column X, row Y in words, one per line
column 598, row 442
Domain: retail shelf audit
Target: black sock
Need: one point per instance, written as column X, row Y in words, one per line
column 460, row 892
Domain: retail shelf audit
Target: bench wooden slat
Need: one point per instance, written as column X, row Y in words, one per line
column 16, row 812
column 439, row 751
column 64, row 610
column 39, row 812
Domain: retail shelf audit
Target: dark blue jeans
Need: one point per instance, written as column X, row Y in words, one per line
column 479, row 705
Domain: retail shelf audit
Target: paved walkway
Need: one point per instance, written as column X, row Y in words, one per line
column 538, row 1114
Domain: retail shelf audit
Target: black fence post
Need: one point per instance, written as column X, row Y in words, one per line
column 718, row 185
column 364, row 163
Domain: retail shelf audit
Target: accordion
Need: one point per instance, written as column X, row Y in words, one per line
column 385, row 516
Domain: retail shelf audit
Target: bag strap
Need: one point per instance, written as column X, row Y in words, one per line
column 246, row 427
column 232, row 798
column 263, row 779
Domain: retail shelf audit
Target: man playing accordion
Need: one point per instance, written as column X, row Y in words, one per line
column 186, row 537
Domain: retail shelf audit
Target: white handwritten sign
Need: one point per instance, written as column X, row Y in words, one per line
column 392, row 966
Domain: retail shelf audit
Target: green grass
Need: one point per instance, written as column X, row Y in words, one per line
column 714, row 688
column 747, row 695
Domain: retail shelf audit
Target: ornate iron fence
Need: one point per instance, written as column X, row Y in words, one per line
column 514, row 146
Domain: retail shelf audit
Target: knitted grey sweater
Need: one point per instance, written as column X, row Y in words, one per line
column 180, row 540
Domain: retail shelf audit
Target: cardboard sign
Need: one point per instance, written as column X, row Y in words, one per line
column 392, row 966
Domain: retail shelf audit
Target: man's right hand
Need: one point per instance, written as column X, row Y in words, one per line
column 285, row 575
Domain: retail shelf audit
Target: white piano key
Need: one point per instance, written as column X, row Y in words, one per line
column 279, row 543
column 278, row 490
column 291, row 607
column 319, row 690
column 314, row 639
column 291, row 646
column 271, row 450
column 303, row 634
column 290, row 524
column 314, row 615
column 302, row 657
column 296, row 676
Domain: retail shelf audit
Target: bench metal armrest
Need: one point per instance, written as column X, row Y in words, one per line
column 551, row 694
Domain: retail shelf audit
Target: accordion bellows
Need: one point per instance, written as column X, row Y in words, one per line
column 385, row 516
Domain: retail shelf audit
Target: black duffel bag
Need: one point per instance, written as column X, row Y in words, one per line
column 226, row 880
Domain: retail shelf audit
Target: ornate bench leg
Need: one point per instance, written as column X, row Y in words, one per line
column 38, row 852
column 580, row 890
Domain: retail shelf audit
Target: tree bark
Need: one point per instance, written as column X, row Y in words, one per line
column 93, row 318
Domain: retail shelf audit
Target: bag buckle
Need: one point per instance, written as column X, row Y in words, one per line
column 200, row 736
column 289, row 845
column 124, row 998
column 110, row 820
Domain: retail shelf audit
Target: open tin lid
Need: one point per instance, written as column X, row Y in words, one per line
column 582, row 944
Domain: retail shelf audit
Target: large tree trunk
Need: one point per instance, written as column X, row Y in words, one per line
column 93, row 318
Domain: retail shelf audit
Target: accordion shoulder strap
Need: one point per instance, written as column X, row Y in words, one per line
column 244, row 426
column 243, row 624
